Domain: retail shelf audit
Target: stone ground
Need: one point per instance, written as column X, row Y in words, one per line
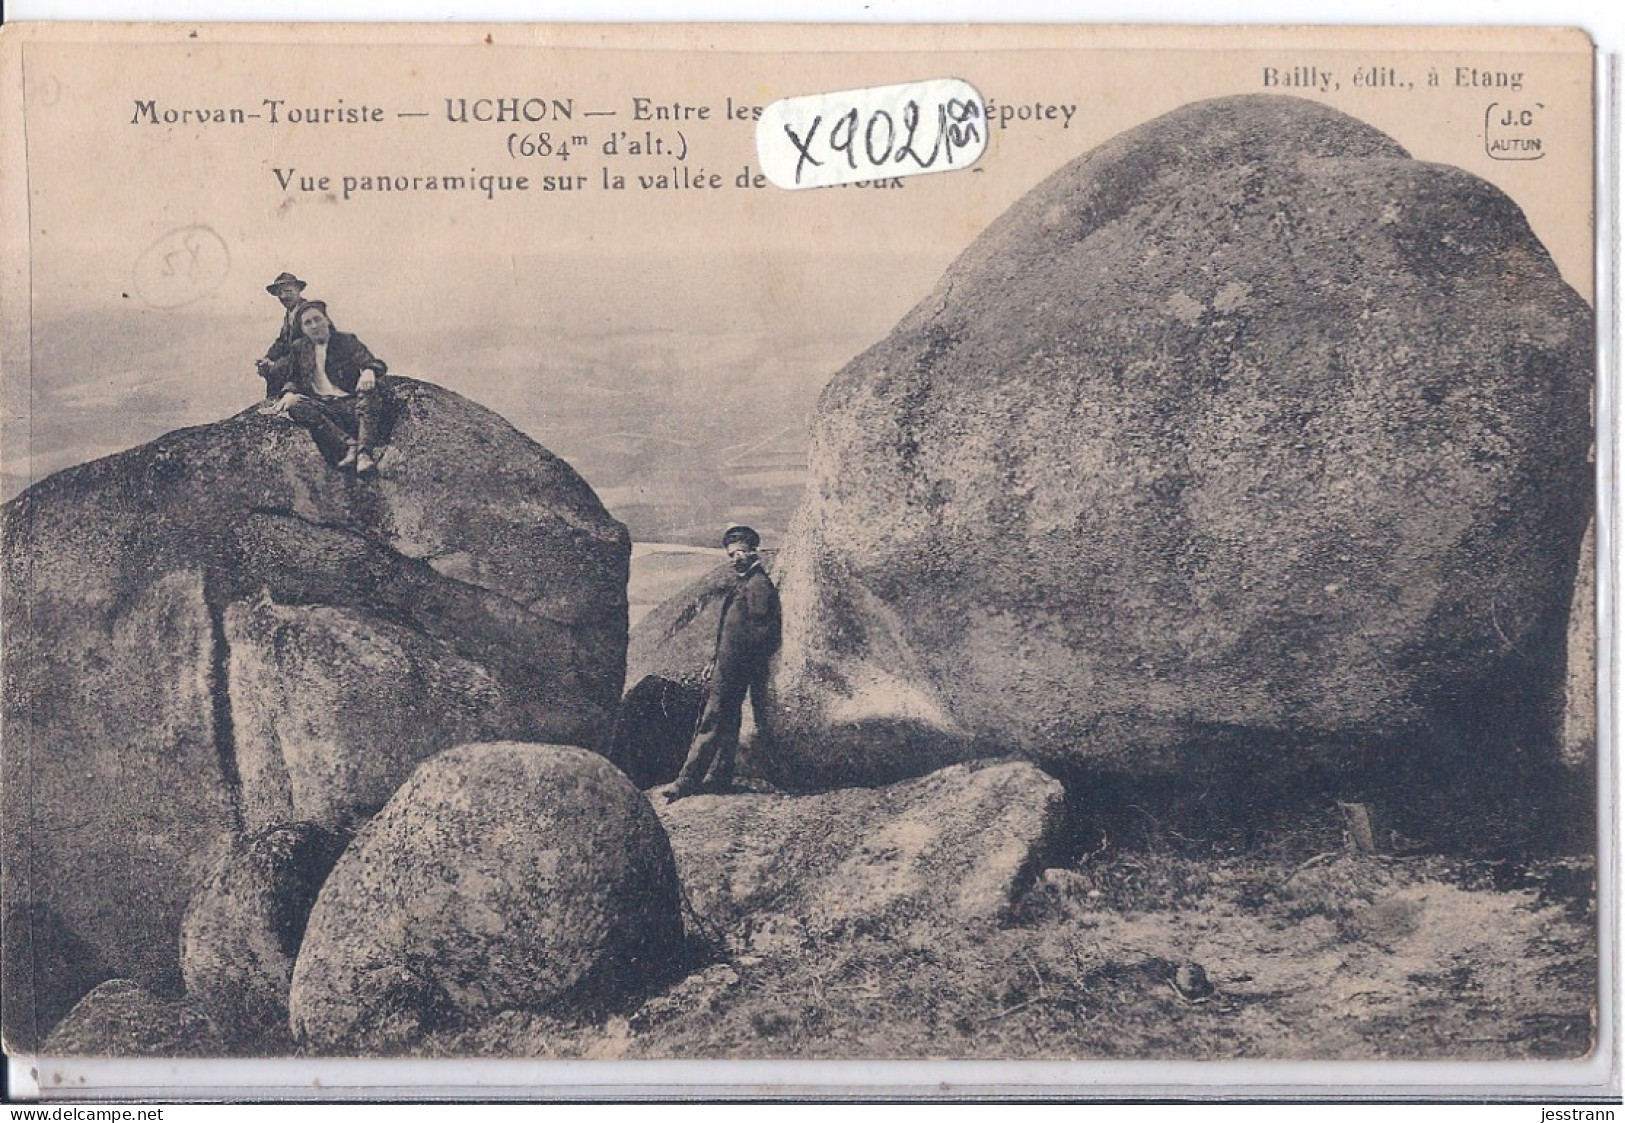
column 1337, row 955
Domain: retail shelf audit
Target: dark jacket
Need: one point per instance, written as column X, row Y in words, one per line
column 279, row 350
column 347, row 357
column 284, row 340
column 748, row 630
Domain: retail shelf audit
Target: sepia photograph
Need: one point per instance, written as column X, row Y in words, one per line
column 725, row 543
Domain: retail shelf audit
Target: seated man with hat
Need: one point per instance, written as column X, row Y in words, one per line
column 328, row 382
column 747, row 637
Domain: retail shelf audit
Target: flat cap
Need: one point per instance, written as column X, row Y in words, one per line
column 738, row 532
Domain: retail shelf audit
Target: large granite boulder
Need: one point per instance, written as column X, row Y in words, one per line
column 1242, row 429
column 774, row 872
column 217, row 632
column 242, row 931
column 500, row 877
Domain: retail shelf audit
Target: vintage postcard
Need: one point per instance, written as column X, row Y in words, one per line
column 715, row 543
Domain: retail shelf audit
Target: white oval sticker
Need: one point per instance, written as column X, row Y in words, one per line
column 881, row 132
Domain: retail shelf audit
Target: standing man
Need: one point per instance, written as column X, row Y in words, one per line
column 747, row 637
column 328, row 382
column 289, row 290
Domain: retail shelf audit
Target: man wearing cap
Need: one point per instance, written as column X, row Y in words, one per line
column 289, row 290
column 747, row 637
column 328, row 382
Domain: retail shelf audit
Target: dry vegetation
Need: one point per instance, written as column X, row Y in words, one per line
column 1299, row 946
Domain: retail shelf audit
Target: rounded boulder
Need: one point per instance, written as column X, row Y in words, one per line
column 121, row 1018
column 1243, row 429
column 500, row 877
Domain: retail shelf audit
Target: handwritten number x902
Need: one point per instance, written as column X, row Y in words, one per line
column 958, row 125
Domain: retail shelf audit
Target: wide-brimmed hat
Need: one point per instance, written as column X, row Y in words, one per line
column 285, row 279
column 738, row 532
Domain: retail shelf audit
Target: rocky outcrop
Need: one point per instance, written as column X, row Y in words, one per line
column 500, row 877
column 770, row 872
column 216, row 633
column 1243, row 429
column 243, row 928
column 120, row 1018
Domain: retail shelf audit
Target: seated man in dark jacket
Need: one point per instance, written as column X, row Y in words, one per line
column 328, row 382
column 747, row 637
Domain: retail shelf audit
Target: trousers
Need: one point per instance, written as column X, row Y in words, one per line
column 334, row 422
column 716, row 738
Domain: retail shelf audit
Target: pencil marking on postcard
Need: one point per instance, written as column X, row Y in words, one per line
column 182, row 266
column 853, row 136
